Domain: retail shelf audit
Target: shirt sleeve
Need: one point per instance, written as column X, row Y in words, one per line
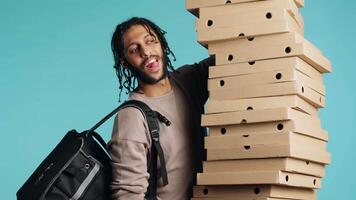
column 128, row 147
column 195, row 77
column 202, row 68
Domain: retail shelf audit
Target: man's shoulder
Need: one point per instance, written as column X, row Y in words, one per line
column 203, row 65
column 130, row 113
column 130, row 125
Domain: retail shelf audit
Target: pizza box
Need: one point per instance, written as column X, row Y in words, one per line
column 284, row 164
column 194, row 5
column 265, row 41
column 259, row 177
column 265, row 66
column 292, row 101
column 253, row 7
column 292, row 150
column 254, row 191
column 219, row 28
column 269, row 90
column 276, row 76
column 237, row 198
column 277, row 138
column 301, row 125
column 269, row 47
column 255, row 116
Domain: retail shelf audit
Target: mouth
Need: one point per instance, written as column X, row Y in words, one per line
column 152, row 64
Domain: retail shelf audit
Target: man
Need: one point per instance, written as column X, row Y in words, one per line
column 141, row 56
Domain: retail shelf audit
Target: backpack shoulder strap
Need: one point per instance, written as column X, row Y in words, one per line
column 152, row 117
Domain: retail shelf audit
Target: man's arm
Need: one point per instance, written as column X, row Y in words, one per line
column 128, row 147
column 202, row 74
column 202, row 67
column 195, row 77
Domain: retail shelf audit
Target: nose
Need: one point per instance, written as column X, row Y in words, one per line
column 145, row 51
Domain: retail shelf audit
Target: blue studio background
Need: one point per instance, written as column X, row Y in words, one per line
column 56, row 74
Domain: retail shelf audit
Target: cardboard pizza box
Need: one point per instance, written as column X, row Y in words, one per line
column 253, row 7
column 265, row 66
column 300, row 125
column 253, row 24
column 259, row 177
column 254, row 191
column 284, row 164
column 236, row 20
column 276, row 76
column 270, row 90
column 278, row 138
column 269, row 47
column 292, row 150
column 292, row 101
column 255, row 116
column 300, row 3
column 237, row 198
column 264, row 41
column 194, row 5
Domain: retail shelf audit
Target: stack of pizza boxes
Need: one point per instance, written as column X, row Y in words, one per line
column 265, row 137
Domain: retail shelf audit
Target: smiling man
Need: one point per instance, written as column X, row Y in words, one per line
column 144, row 70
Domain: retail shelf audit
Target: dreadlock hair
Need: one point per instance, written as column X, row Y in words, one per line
column 127, row 79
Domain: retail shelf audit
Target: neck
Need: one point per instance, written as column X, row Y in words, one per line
column 155, row 90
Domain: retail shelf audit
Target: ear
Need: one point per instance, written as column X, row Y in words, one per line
column 124, row 63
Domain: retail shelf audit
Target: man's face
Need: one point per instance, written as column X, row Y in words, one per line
column 143, row 52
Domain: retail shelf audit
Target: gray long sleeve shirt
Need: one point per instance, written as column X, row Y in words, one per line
column 181, row 142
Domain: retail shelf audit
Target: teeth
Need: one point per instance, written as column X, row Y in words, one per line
column 151, row 61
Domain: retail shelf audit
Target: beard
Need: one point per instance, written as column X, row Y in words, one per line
column 142, row 76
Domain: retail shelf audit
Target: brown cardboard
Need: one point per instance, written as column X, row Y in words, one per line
column 236, row 198
column 265, row 41
column 284, row 164
column 253, row 24
column 276, row 76
column 277, row 138
column 254, row 191
column 265, row 66
column 259, row 177
column 255, row 116
column 301, row 125
column 300, row 3
column 269, row 90
column 292, row 101
column 253, row 7
column 194, row 5
column 236, row 20
column 267, row 47
column 293, row 150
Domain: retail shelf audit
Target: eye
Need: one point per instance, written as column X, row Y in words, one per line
column 150, row 39
column 133, row 49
